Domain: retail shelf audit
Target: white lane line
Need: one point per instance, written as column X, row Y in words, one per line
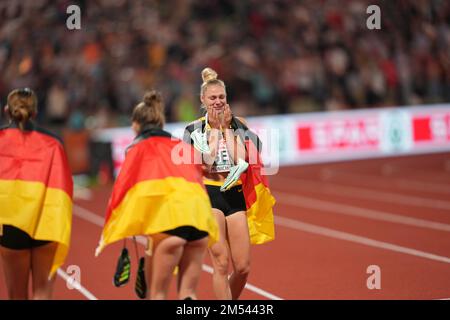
column 80, row 192
column 390, row 168
column 381, row 181
column 365, row 193
column 76, row 285
column 248, row 286
column 331, row 233
column 333, row 207
column 99, row 221
column 89, row 216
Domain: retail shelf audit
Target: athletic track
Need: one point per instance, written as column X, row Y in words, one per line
column 332, row 222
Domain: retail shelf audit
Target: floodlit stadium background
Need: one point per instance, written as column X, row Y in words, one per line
column 320, row 88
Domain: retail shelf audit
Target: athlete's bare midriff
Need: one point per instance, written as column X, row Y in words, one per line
column 216, row 176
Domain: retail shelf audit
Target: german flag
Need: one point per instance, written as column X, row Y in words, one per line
column 258, row 198
column 36, row 187
column 153, row 193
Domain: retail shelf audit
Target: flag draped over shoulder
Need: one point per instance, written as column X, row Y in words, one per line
column 153, row 193
column 258, row 198
column 36, row 188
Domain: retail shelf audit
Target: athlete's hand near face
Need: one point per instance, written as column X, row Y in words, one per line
column 213, row 117
column 226, row 118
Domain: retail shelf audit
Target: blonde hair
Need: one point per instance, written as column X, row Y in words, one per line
column 150, row 110
column 21, row 106
column 209, row 77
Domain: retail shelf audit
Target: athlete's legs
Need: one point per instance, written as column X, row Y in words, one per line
column 148, row 263
column 16, row 269
column 166, row 256
column 191, row 268
column 239, row 241
column 219, row 256
column 41, row 264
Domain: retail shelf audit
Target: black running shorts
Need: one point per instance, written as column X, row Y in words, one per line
column 14, row 238
column 188, row 233
column 229, row 202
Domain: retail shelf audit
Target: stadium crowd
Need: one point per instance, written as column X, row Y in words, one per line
column 276, row 56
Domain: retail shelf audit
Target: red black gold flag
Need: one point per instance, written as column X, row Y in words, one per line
column 258, row 198
column 153, row 194
column 36, row 187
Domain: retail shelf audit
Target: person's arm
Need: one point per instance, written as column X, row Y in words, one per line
column 207, row 158
column 213, row 143
column 187, row 134
column 235, row 146
column 213, row 138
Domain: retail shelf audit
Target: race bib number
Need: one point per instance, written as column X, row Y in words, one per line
column 223, row 160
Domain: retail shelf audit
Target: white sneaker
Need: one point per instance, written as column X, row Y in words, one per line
column 200, row 141
column 233, row 176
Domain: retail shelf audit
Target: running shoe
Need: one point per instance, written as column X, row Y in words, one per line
column 140, row 286
column 200, row 141
column 122, row 275
column 234, row 175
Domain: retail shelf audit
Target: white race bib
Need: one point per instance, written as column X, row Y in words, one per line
column 222, row 163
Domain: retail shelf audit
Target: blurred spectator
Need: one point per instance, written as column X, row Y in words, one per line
column 276, row 56
column 57, row 104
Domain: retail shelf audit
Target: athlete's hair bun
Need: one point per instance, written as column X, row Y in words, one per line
column 209, row 74
column 19, row 113
column 151, row 97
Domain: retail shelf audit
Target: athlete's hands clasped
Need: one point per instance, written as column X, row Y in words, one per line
column 219, row 118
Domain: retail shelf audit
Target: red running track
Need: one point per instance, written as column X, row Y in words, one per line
column 333, row 221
